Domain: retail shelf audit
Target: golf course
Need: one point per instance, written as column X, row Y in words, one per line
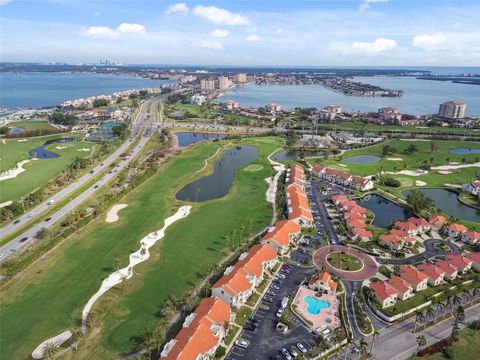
column 48, row 297
column 36, row 172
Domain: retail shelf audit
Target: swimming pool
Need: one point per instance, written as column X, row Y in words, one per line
column 314, row 305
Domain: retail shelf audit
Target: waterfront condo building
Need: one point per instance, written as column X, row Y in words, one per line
column 452, row 110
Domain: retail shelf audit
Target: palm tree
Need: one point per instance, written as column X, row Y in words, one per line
column 418, row 316
column 159, row 338
column 455, row 300
column 439, row 306
column 421, row 341
column 77, row 334
column 50, row 350
column 148, row 340
column 429, row 313
column 375, row 335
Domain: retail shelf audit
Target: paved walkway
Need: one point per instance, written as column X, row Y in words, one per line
column 369, row 266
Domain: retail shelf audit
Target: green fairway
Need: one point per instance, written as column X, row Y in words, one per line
column 49, row 296
column 38, row 172
column 30, row 125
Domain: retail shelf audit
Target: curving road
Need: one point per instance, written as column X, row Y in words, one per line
column 138, row 126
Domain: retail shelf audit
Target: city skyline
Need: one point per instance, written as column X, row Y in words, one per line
column 347, row 33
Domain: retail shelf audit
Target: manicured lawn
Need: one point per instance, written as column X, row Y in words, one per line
column 30, row 125
column 37, row 173
column 243, row 314
column 60, row 285
column 344, row 261
column 466, row 348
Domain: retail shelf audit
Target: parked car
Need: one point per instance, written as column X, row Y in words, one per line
column 48, row 219
column 279, row 313
column 281, row 276
column 16, row 222
column 302, row 348
column 276, row 287
column 271, row 293
column 23, row 239
column 50, row 202
column 286, row 354
column 293, row 351
column 242, row 343
column 268, row 299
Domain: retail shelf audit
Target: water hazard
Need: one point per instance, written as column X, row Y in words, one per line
column 218, row 184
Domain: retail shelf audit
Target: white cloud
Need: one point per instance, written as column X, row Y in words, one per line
column 100, row 32
column 219, row 33
column 377, row 46
column 177, row 9
column 430, row 42
column 96, row 13
column 126, row 28
column 3, row 2
column 253, row 38
column 220, row 16
column 106, row 32
column 366, row 4
column 278, row 30
column 214, row 45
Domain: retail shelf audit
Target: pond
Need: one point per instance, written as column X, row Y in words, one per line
column 218, row 184
column 16, row 130
column 42, row 153
column 285, row 155
column 188, row 138
column 363, row 159
column 464, row 151
column 386, row 211
column 447, row 201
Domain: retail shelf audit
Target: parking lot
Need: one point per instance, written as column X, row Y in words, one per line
column 265, row 342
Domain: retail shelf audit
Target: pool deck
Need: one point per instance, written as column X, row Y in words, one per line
column 323, row 320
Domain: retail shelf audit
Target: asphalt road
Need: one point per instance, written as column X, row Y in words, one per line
column 28, row 236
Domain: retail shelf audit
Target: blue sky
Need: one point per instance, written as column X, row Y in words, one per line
column 243, row 32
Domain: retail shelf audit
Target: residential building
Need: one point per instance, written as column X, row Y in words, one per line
column 475, row 257
column 472, row 187
column 361, row 184
column 462, row 263
column 394, row 242
column 403, row 288
column 223, row 83
column 207, row 85
column 282, row 235
column 360, row 234
column 435, row 274
column 389, row 115
column 451, row 271
column 322, row 282
column 437, row 221
column 471, row 237
column 333, row 108
column 240, row 78
column 452, row 110
column 198, row 99
column 455, row 230
column 385, row 294
column 413, row 276
column 326, row 115
column 201, row 334
column 273, row 107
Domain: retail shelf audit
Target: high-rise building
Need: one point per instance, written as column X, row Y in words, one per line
column 223, row 83
column 240, row 78
column 452, row 110
column 207, row 85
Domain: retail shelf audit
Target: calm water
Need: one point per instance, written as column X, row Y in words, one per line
column 464, row 151
column 37, row 90
column 188, row 138
column 447, row 201
column 386, row 212
column 42, row 153
column 219, row 183
column 294, row 155
column 363, row 159
column 420, row 96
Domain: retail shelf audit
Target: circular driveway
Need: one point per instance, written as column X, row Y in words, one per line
column 369, row 266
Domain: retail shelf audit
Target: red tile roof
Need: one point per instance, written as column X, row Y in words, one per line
column 457, row 228
column 446, row 266
column 399, row 284
column 432, row 271
column 458, row 260
column 412, row 275
column 282, row 231
column 383, row 290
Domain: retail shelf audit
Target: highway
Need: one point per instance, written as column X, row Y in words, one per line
column 139, row 124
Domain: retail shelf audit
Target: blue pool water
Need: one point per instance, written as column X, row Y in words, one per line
column 314, row 305
column 464, row 151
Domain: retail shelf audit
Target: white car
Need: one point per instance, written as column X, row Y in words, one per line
column 302, row 348
column 242, row 343
column 286, row 354
column 50, row 202
column 31, row 214
column 279, row 313
column 281, row 276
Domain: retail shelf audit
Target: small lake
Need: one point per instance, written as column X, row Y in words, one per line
column 218, row 184
column 447, row 201
column 16, row 130
column 42, row 153
column 464, row 151
column 189, row 138
column 296, row 154
column 363, row 159
column 386, row 212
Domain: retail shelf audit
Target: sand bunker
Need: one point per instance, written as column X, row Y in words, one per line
column 394, row 159
column 56, row 340
column 420, row 183
column 444, row 172
column 135, row 258
column 414, row 139
column 342, row 165
column 408, row 172
column 273, row 181
column 6, row 203
column 84, row 149
column 22, row 140
column 454, row 167
column 60, row 147
column 112, row 214
column 14, row 172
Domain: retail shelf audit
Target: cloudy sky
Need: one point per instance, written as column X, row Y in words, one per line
column 243, row 32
